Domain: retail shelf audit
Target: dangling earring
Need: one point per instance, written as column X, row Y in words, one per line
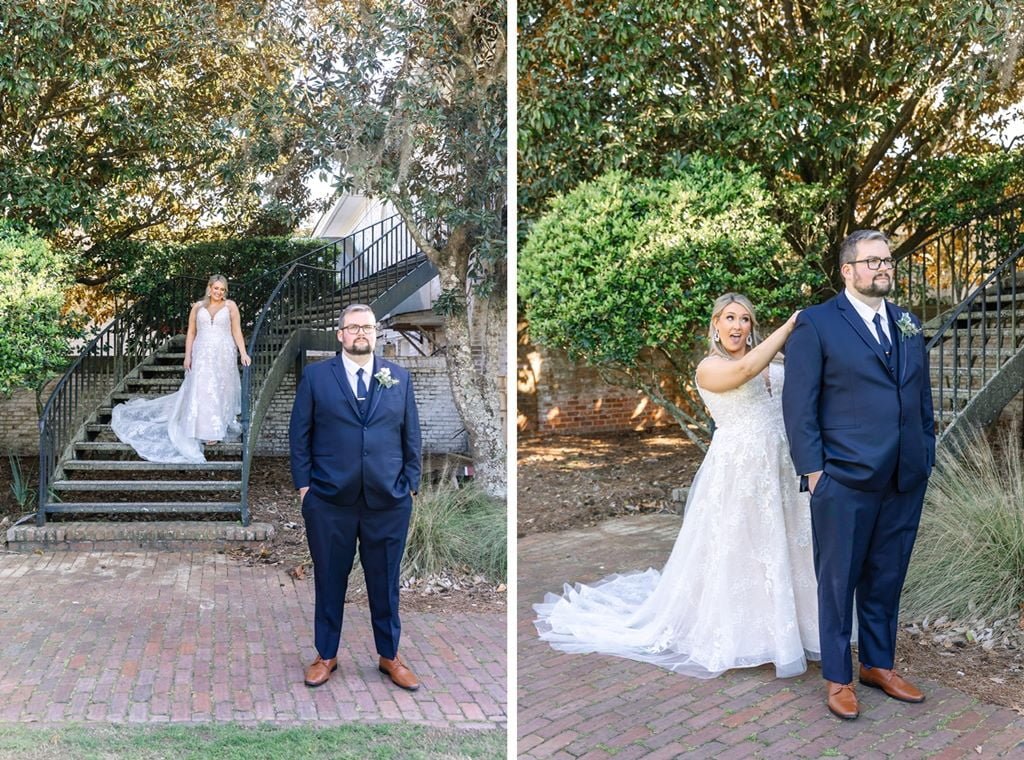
column 750, row 340
column 716, row 338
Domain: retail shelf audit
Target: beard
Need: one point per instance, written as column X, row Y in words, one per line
column 878, row 287
column 360, row 348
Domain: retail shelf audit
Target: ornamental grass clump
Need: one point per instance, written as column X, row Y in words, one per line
column 969, row 558
column 456, row 528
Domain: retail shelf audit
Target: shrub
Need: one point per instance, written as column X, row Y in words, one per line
column 969, row 556
column 455, row 528
column 621, row 273
column 34, row 341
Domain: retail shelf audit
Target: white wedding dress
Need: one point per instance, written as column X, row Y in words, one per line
column 739, row 588
column 172, row 428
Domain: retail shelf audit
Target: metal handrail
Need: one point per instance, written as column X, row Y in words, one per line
column 994, row 310
column 102, row 365
column 935, row 276
column 310, row 296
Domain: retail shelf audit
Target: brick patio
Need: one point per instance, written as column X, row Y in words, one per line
column 595, row 706
column 198, row 637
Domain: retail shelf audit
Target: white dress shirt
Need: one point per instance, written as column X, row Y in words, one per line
column 868, row 315
column 351, row 368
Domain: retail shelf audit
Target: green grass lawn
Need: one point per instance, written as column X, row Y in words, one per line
column 232, row 742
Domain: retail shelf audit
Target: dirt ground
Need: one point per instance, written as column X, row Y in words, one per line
column 273, row 500
column 576, row 481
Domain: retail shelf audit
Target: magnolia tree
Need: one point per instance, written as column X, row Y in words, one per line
column 407, row 101
column 621, row 273
column 858, row 114
column 146, row 118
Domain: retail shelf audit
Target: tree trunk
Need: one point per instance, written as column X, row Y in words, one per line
column 474, row 380
column 475, row 388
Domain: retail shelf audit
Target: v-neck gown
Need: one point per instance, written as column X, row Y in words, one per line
column 172, row 428
column 739, row 588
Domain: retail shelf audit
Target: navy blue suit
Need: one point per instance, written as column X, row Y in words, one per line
column 867, row 423
column 361, row 471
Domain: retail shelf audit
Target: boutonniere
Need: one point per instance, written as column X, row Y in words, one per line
column 907, row 327
column 384, row 377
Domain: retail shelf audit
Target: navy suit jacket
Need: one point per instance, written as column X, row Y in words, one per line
column 846, row 412
column 340, row 455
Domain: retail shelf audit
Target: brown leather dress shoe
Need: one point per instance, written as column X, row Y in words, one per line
column 842, row 700
column 892, row 683
column 399, row 674
column 320, row 671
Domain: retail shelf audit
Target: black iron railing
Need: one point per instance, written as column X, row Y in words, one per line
column 366, row 263
column 129, row 338
column 937, row 275
column 977, row 340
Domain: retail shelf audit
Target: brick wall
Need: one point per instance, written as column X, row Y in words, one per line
column 556, row 396
column 440, row 424
column 19, row 422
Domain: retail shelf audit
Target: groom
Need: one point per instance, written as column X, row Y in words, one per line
column 858, row 412
column 355, row 456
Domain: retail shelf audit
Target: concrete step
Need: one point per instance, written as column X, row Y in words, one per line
column 122, row 396
column 217, row 448
column 154, row 382
column 98, row 465
column 169, row 535
column 146, row 485
column 144, row 507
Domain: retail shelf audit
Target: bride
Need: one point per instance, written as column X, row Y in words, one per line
column 171, row 428
column 738, row 589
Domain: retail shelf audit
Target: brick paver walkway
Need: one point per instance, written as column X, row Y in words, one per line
column 595, row 706
column 196, row 637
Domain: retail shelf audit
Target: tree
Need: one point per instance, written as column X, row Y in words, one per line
column 122, row 117
column 621, row 274
column 858, row 113
column 36, row 334
column 407, row 100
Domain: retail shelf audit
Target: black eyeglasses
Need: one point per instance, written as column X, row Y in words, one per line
column 875, row 263
column 356, row 329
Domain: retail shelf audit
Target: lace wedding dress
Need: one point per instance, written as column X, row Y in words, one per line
column 738, row 589
column 172, row 428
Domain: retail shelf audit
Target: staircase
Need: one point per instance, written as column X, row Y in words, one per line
column 106, row 476
column 972, row 308
column 84, row 469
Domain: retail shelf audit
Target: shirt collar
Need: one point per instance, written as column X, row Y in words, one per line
column 352, row 367
column 865, row 311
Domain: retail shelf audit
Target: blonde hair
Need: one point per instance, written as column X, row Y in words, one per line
column 714, row 347
column 215, row 278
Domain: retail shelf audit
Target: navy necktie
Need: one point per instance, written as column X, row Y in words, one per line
column 884, row 340
column 361, row 394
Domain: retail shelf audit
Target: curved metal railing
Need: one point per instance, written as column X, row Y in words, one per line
column 104, row 362
column 307, row 296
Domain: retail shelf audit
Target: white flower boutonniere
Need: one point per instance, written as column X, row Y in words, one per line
column 384, row 378
column 907, row 327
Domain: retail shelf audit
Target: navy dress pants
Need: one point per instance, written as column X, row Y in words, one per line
column 862, row 543
column 334, row 533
